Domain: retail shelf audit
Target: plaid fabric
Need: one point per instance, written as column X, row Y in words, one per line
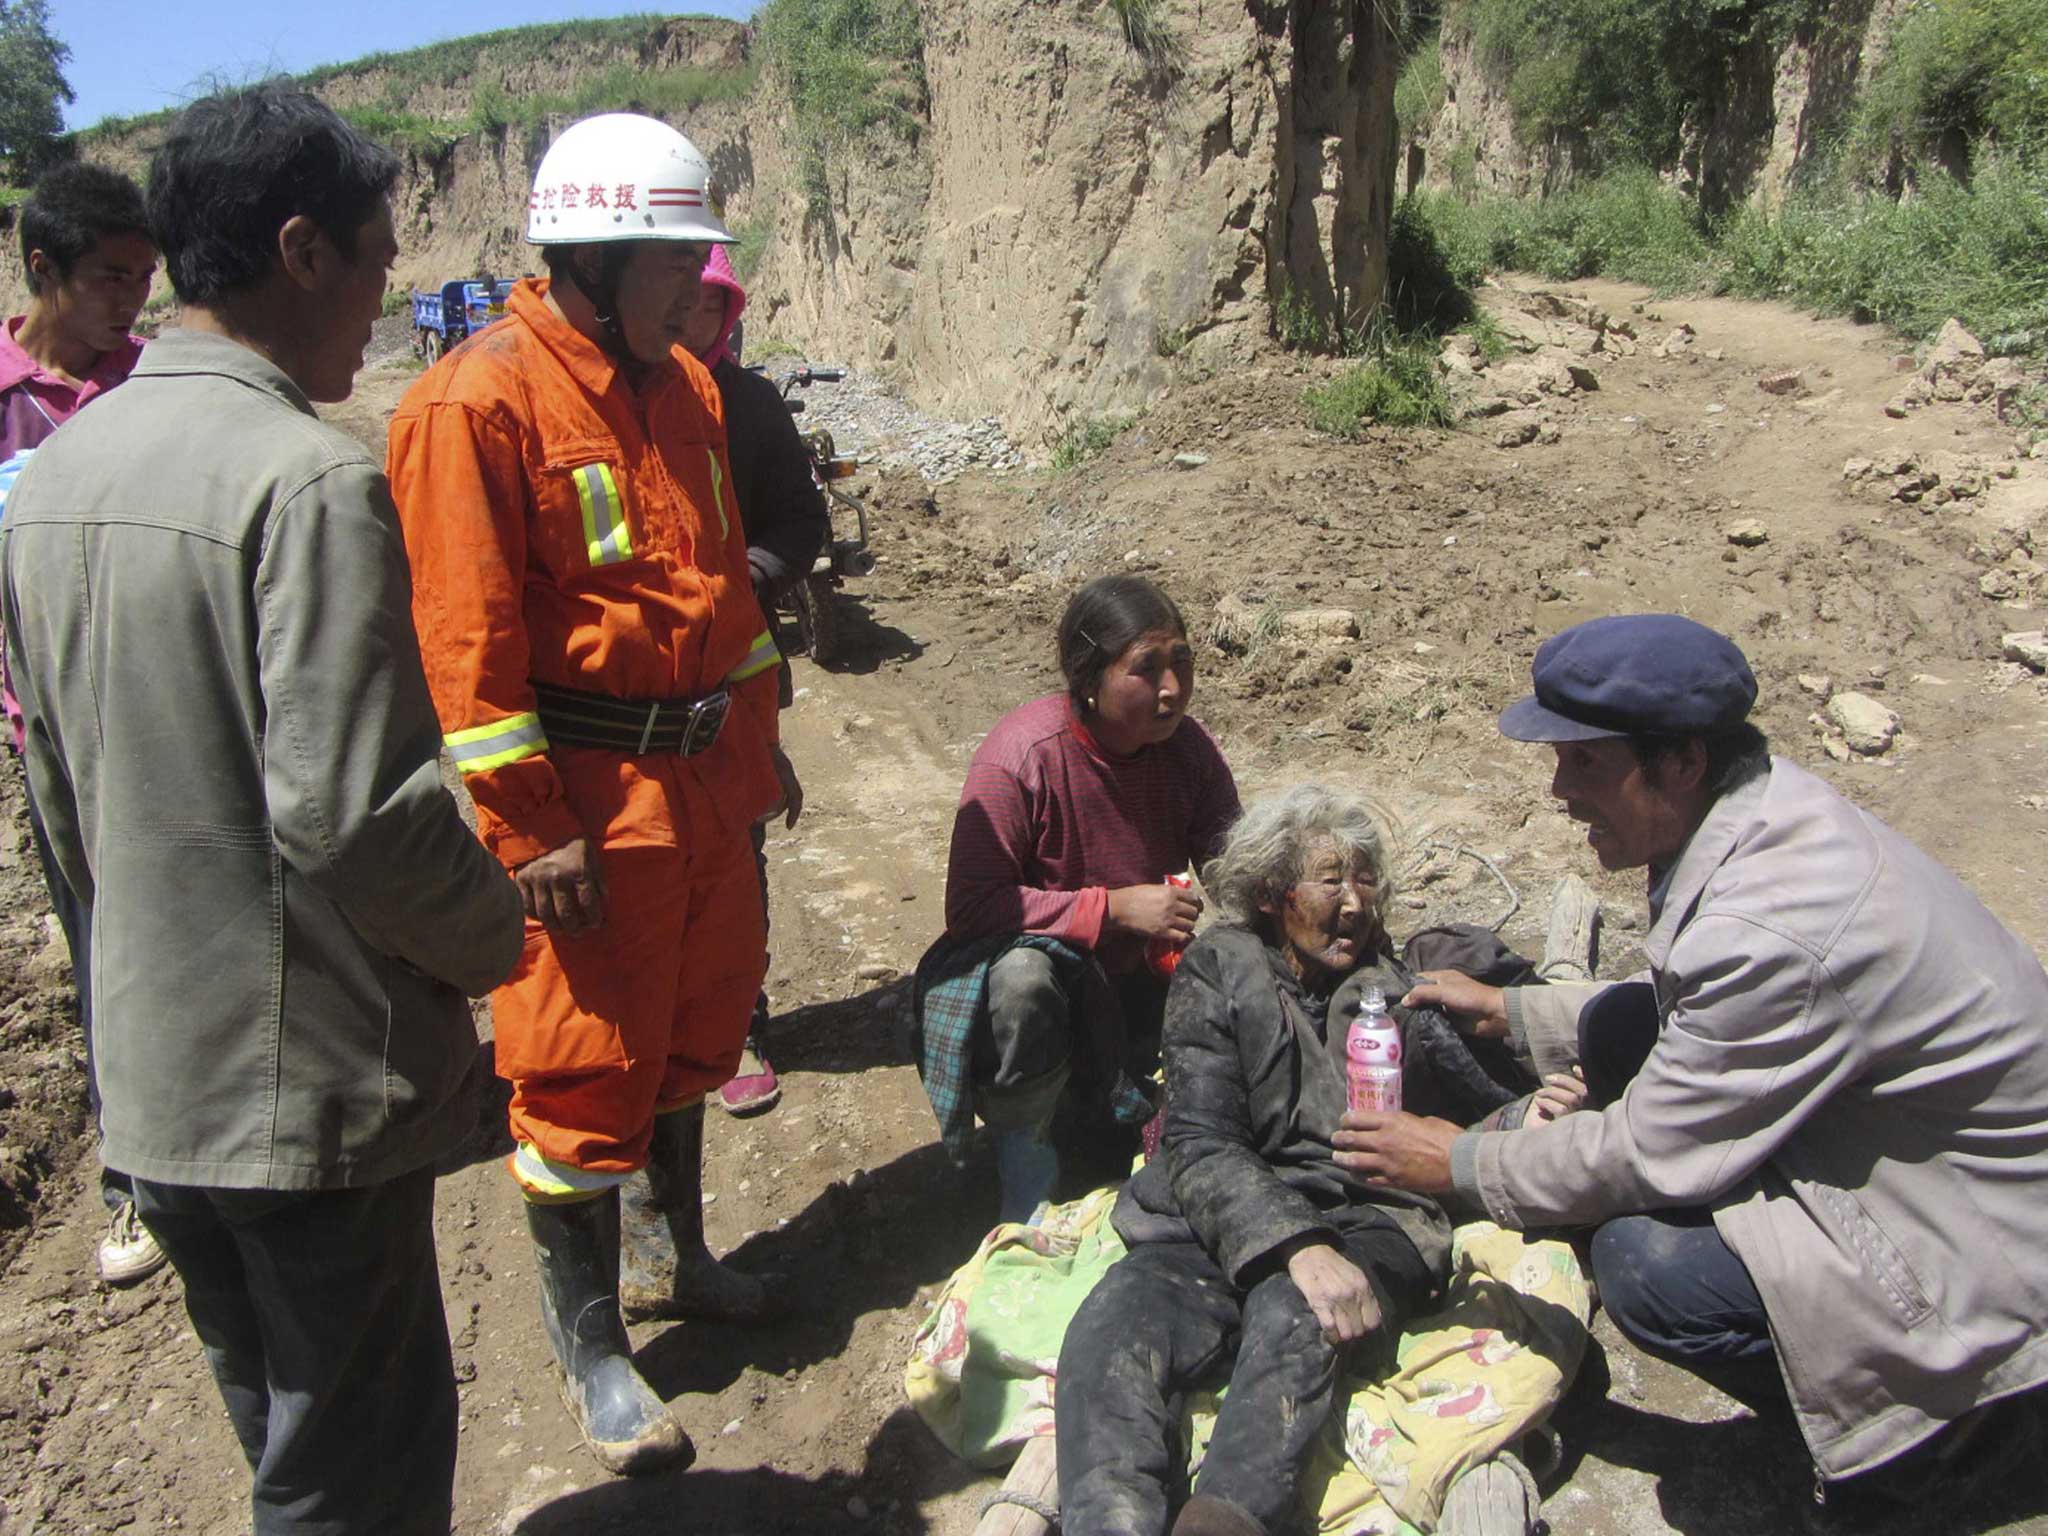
column 952, row 1006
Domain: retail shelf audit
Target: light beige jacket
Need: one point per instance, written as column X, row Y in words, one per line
column 1853, row 1074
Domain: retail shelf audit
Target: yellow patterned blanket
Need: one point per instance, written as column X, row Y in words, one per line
column 1471, row 1377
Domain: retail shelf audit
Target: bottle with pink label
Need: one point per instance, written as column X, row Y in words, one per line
column 1372, row 1049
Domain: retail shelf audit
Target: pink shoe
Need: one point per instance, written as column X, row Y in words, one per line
column 754, row 1089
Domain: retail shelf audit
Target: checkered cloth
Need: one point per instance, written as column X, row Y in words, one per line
column 952, row 1006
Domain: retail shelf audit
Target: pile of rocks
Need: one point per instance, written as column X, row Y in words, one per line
column 1957, row 370
column 1851, row 724
column 1548, row 366
column 1927, row 480
column 869, row 420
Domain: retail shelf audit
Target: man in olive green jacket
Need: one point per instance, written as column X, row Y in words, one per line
column 230, row 737
column 1819, row 1161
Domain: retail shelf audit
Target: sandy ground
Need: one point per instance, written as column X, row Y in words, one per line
column 1456, row 557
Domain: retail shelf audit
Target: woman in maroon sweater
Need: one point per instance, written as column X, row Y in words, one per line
column 1076, row 809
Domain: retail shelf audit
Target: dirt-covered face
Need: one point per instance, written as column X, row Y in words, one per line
column 1144, row 693
column 96, row 302
column 707, row 318
column 656, row 296
column 1634, row 814
column 1327, row 922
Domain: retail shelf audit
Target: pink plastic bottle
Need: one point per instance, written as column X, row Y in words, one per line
column 1372, row 1050
column 1162, row 955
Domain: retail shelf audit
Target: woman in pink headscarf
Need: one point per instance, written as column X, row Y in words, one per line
column 787, row 525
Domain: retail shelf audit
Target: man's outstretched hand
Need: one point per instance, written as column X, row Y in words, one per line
column 1405, row 1151
column 1473, row 1007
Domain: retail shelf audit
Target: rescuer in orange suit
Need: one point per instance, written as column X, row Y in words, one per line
column 605, row 680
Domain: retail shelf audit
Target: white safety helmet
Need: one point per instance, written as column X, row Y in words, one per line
column 621, row 176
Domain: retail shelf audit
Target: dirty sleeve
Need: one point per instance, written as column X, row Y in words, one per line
column 462, row 492
column 351, row 745
column 1740, row 1064
column 1238, row 1206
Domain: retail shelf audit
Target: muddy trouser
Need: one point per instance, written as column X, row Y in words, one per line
column 1669, row 1282
column 320, row 1313
column 1026, row 1062
column 757, row 1027
column 1165, row 1320
column 77, row 925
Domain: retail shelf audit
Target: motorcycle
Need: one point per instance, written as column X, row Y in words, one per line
column 813, row 602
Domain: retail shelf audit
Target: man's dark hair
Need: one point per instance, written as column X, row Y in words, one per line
column 1101, row 622
column 72, row 209
column 237, row 166
column 1734, row 757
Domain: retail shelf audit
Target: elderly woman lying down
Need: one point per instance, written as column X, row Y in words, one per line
column 1247, row 1242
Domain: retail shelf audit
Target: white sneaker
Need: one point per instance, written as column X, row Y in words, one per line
column 128, row 1252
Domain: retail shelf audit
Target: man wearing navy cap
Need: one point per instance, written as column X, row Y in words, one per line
column 1817, row 1156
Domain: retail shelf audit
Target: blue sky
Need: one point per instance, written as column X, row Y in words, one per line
column 131, row 56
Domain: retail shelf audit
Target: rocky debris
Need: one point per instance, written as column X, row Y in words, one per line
column 1786, row 381
column 2007, row 546
column 2027, row 647
column 867, row 419
column 1999, row 584
column 1863, row 725
column 1320, row 623
column 1679, row 343
column 1487, row 405
column 1935, row 478
column 1516, row 430
column 1529, row 379
column 1242, row 619
column 1816, row 684
column 1317, row 668
column 1957, row 371
column 1748, row 533
column 1188, row 460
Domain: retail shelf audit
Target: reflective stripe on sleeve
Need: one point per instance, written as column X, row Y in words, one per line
column 605, row 534
column 553, row 1183
column 760, row 657
column 718, row 493
column 500, row 742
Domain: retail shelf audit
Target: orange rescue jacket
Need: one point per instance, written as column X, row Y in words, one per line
column 566, row 529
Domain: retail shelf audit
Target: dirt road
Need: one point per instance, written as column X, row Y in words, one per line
column 1454, row 557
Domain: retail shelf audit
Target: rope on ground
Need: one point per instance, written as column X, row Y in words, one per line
column 1049, row 1513
column 1507, row 885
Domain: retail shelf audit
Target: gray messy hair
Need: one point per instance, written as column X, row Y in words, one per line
column 1269, row 846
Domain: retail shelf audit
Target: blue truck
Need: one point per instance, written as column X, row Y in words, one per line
column 444, row 317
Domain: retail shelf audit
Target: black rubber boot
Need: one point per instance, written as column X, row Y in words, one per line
column 667, row 1271
column 626, row 1426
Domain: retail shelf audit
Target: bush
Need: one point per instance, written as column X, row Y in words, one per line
column 1085, row 439
column 1956, row 72
column 1434, row 260
column 1397, row 386
column 1977, row 252
column 753, row 245
column 1628, row 224
column 1617, row 76
column 1420, row 92
column 1301, row 326
column 851, row 68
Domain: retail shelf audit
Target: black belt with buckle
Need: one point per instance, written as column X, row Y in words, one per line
column 637, row 726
